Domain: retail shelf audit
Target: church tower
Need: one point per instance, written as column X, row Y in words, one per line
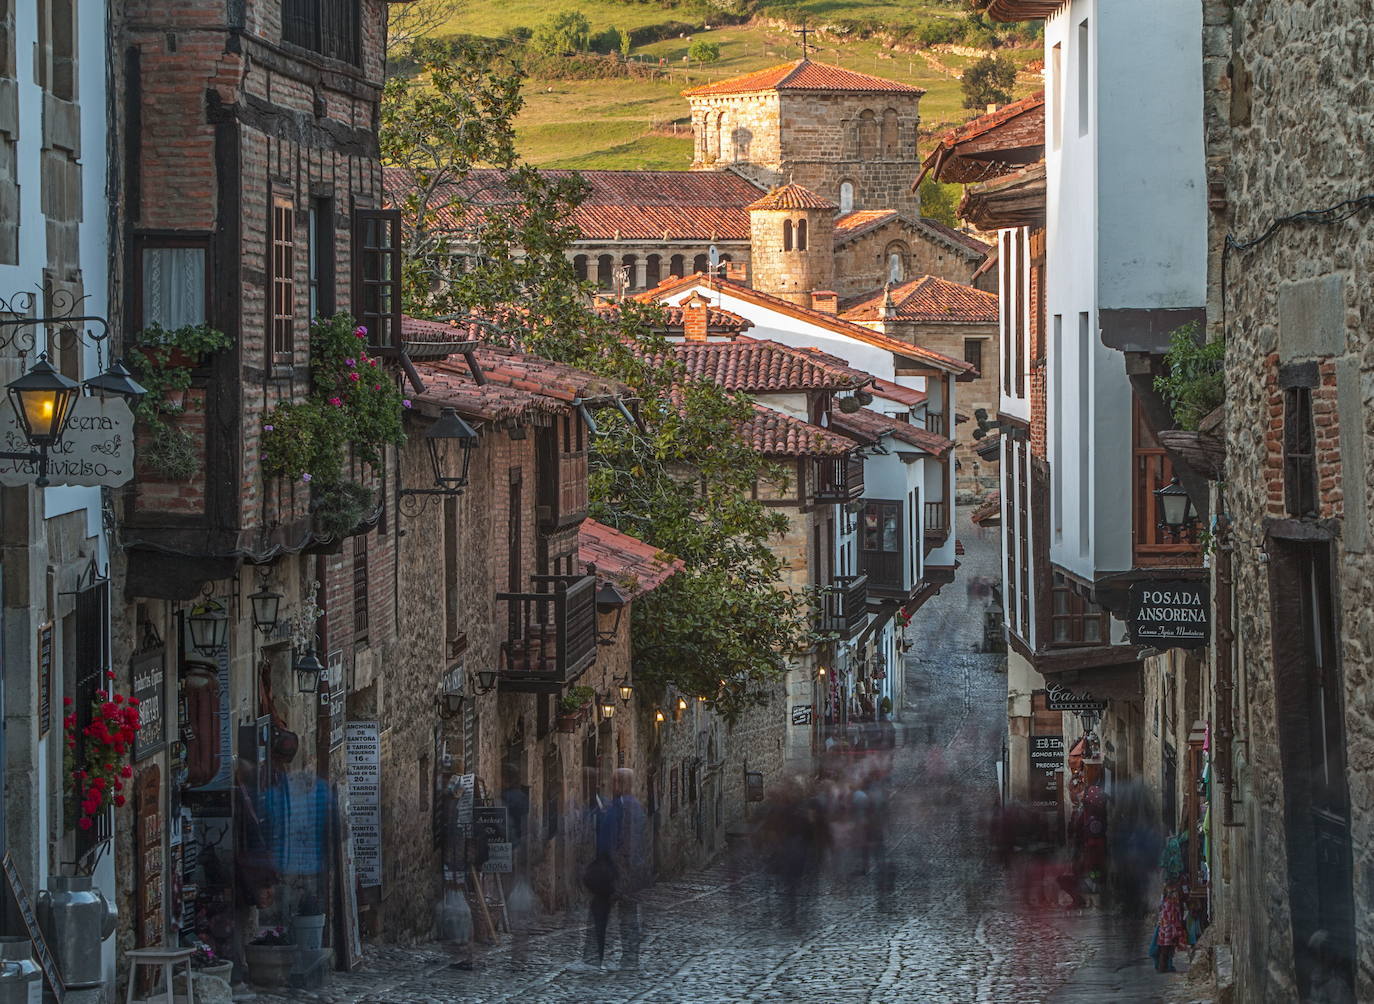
column 792, row 243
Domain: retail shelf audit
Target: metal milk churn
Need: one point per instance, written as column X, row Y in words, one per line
column 21, row 981
column 76, row 918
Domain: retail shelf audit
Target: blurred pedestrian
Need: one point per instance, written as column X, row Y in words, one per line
column 1170, row 933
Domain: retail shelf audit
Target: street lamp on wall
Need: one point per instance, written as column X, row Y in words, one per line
column 309, row 669
column 485, row 680
column 607, row 706
column 266, row 604
column 626, row 689
column 43, row 400
column 610, row 602
column 209, row 624
column 449, row 441
column 449, row 704
column 1175, row 509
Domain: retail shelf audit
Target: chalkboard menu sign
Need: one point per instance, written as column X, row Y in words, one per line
column 44, row 679
column 150, row 677
column 40, row 947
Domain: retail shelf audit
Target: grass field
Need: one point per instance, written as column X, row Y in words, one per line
column 619, row 123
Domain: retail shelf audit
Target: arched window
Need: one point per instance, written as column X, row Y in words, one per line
column 605, row 271
column 627, row 271
column 653, row 270
column 700, row 263
column 676, row 265
column 889, row 137
column 727, row 139
column 846, row 196
column 896, row 263
column 801, row 235
column 867, row 134
column 787, row 235
column 580, row 267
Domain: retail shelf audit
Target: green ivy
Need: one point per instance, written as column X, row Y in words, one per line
column 1195, row 384
column 163, row 365
column 576, row 699
column 353, row 404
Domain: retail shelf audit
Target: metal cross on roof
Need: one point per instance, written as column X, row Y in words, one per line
column 803, row 31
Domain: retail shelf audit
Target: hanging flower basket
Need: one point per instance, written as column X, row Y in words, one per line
column 98, row 783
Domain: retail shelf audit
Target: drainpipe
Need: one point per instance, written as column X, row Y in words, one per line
column 1225, row 679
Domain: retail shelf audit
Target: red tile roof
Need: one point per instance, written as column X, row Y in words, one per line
column 989, row 511
column 956, row 236
column 989, row 145
column 630, row 564
column 629, row 205
column 909, row 396
column 830, row 322
column 436, row 339
column 718, row 320
column 792, row 196
column 868, row 425
column 861, row 221
column 541, row 376
column 453, row 387
column 757, row 366
column 928, row 299
column 780, row 435
column 805, row 75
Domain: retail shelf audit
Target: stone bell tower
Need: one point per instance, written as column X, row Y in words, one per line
column 792, row 243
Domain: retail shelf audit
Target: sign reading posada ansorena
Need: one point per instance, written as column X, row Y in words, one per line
column 1172, row 614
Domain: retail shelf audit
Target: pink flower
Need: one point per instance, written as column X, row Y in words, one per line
column 360, row 331
column 376, row 386
column 337, row 402
column 353, row 377
column 84, row 822
column 269, row 428
column 405, row 402
column 372, row 362
column 305, row 478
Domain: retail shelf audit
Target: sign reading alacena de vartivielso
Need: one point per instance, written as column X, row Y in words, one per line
column 1174, row 614
column 96, row 450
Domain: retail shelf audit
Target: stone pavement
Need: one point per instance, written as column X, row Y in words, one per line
column 950, row 928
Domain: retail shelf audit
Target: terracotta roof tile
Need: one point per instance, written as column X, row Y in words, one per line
column 453, row 387
column 776, row 434
column 718, row 321
column 757, row 366
column 636, row 205
column 627, row 562
column 803, row 74
column 822, row 320
column 909, row 396
column 956, row 236
column 870, row 425
column 436, row 339
column 989, row 145
column 792, row 196
column 861, row 221
column 928, row 299
column 989, row 511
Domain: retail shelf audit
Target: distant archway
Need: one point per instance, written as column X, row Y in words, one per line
column 787, row 235
column 801, row 235
column 653, row 270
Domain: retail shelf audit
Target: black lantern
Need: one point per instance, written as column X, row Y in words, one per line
column 43, row 400
column 209, row 626
column 626, row 689
column 678, row 708
column 309, row 669
column 1175, row 508
column 450, row 441
column 116, row 380
column 450, row 704
column 607, row 706
column 610, row 602
column 486, row 679
column 266, row 606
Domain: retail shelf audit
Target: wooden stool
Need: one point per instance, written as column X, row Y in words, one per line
column 167, row 958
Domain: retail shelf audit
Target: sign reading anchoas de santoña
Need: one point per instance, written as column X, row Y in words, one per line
column 1174, row 614
column 97, row 448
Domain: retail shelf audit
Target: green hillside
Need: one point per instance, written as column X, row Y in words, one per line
column 642, row 122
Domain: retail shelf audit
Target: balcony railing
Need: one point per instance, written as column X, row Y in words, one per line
column 839, row 479
column 1154, row 545
column 551, row 635
column 844, row 605
column 935, row 422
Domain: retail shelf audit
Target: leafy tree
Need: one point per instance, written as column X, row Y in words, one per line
column 989, row 82
column 682, row 477
column 407, row 23
column 561, row 33
column 703, row 51
column 940, row 201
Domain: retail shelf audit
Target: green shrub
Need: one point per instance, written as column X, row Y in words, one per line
column 562, row 33
column 989, row 82
column 1195, row 384
column 703, row 51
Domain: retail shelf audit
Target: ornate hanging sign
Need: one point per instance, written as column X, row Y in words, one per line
column 1173, row 614
column 96, row 450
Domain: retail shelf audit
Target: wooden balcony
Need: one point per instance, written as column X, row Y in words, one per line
column 562, row 490
column 844, row 605
column 936, row 422
column 839, row 479
column 551, row 635
column 1152, row 546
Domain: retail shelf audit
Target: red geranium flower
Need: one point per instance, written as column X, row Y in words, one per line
column 84, row 822
column 119, row 800
column 126, row 771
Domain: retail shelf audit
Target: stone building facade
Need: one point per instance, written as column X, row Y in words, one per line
column 1293, row 582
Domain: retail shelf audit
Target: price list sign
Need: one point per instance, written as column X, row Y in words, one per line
column 363, row 740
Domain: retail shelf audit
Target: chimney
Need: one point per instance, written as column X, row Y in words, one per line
column 889, row 307
column 825, row 301
column 992, row 108
column 695, row 312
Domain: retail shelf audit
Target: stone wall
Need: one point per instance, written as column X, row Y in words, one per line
column 862, row 263
column 792, row 273
column 1296, row 308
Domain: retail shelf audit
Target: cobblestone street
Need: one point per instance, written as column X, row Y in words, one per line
column 951, row 928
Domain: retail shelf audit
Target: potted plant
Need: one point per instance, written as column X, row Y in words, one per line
column 205, row 960
column 572, row 708
column 270, row 957
column 163, row 365
column 308, row 924
column 340, row 509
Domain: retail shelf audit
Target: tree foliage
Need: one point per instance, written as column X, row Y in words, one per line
column 1195, row 383
column 561, row 33
column 407, row 23
column 703, row 50
column 682, row 477
column 989, row 82
column 940, row 201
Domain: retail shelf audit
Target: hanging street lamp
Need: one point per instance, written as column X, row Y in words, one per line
column 43, row 400
column 209, row 624
column 626, row 689
column 116, row 380
column 486, row 680
column 450, row 442
column 1175, row 508
column 607, row 705
column 266, row 604
column 610, row 602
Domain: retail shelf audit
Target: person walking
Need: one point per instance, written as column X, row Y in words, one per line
column 618, row 870
column 1171, row 933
